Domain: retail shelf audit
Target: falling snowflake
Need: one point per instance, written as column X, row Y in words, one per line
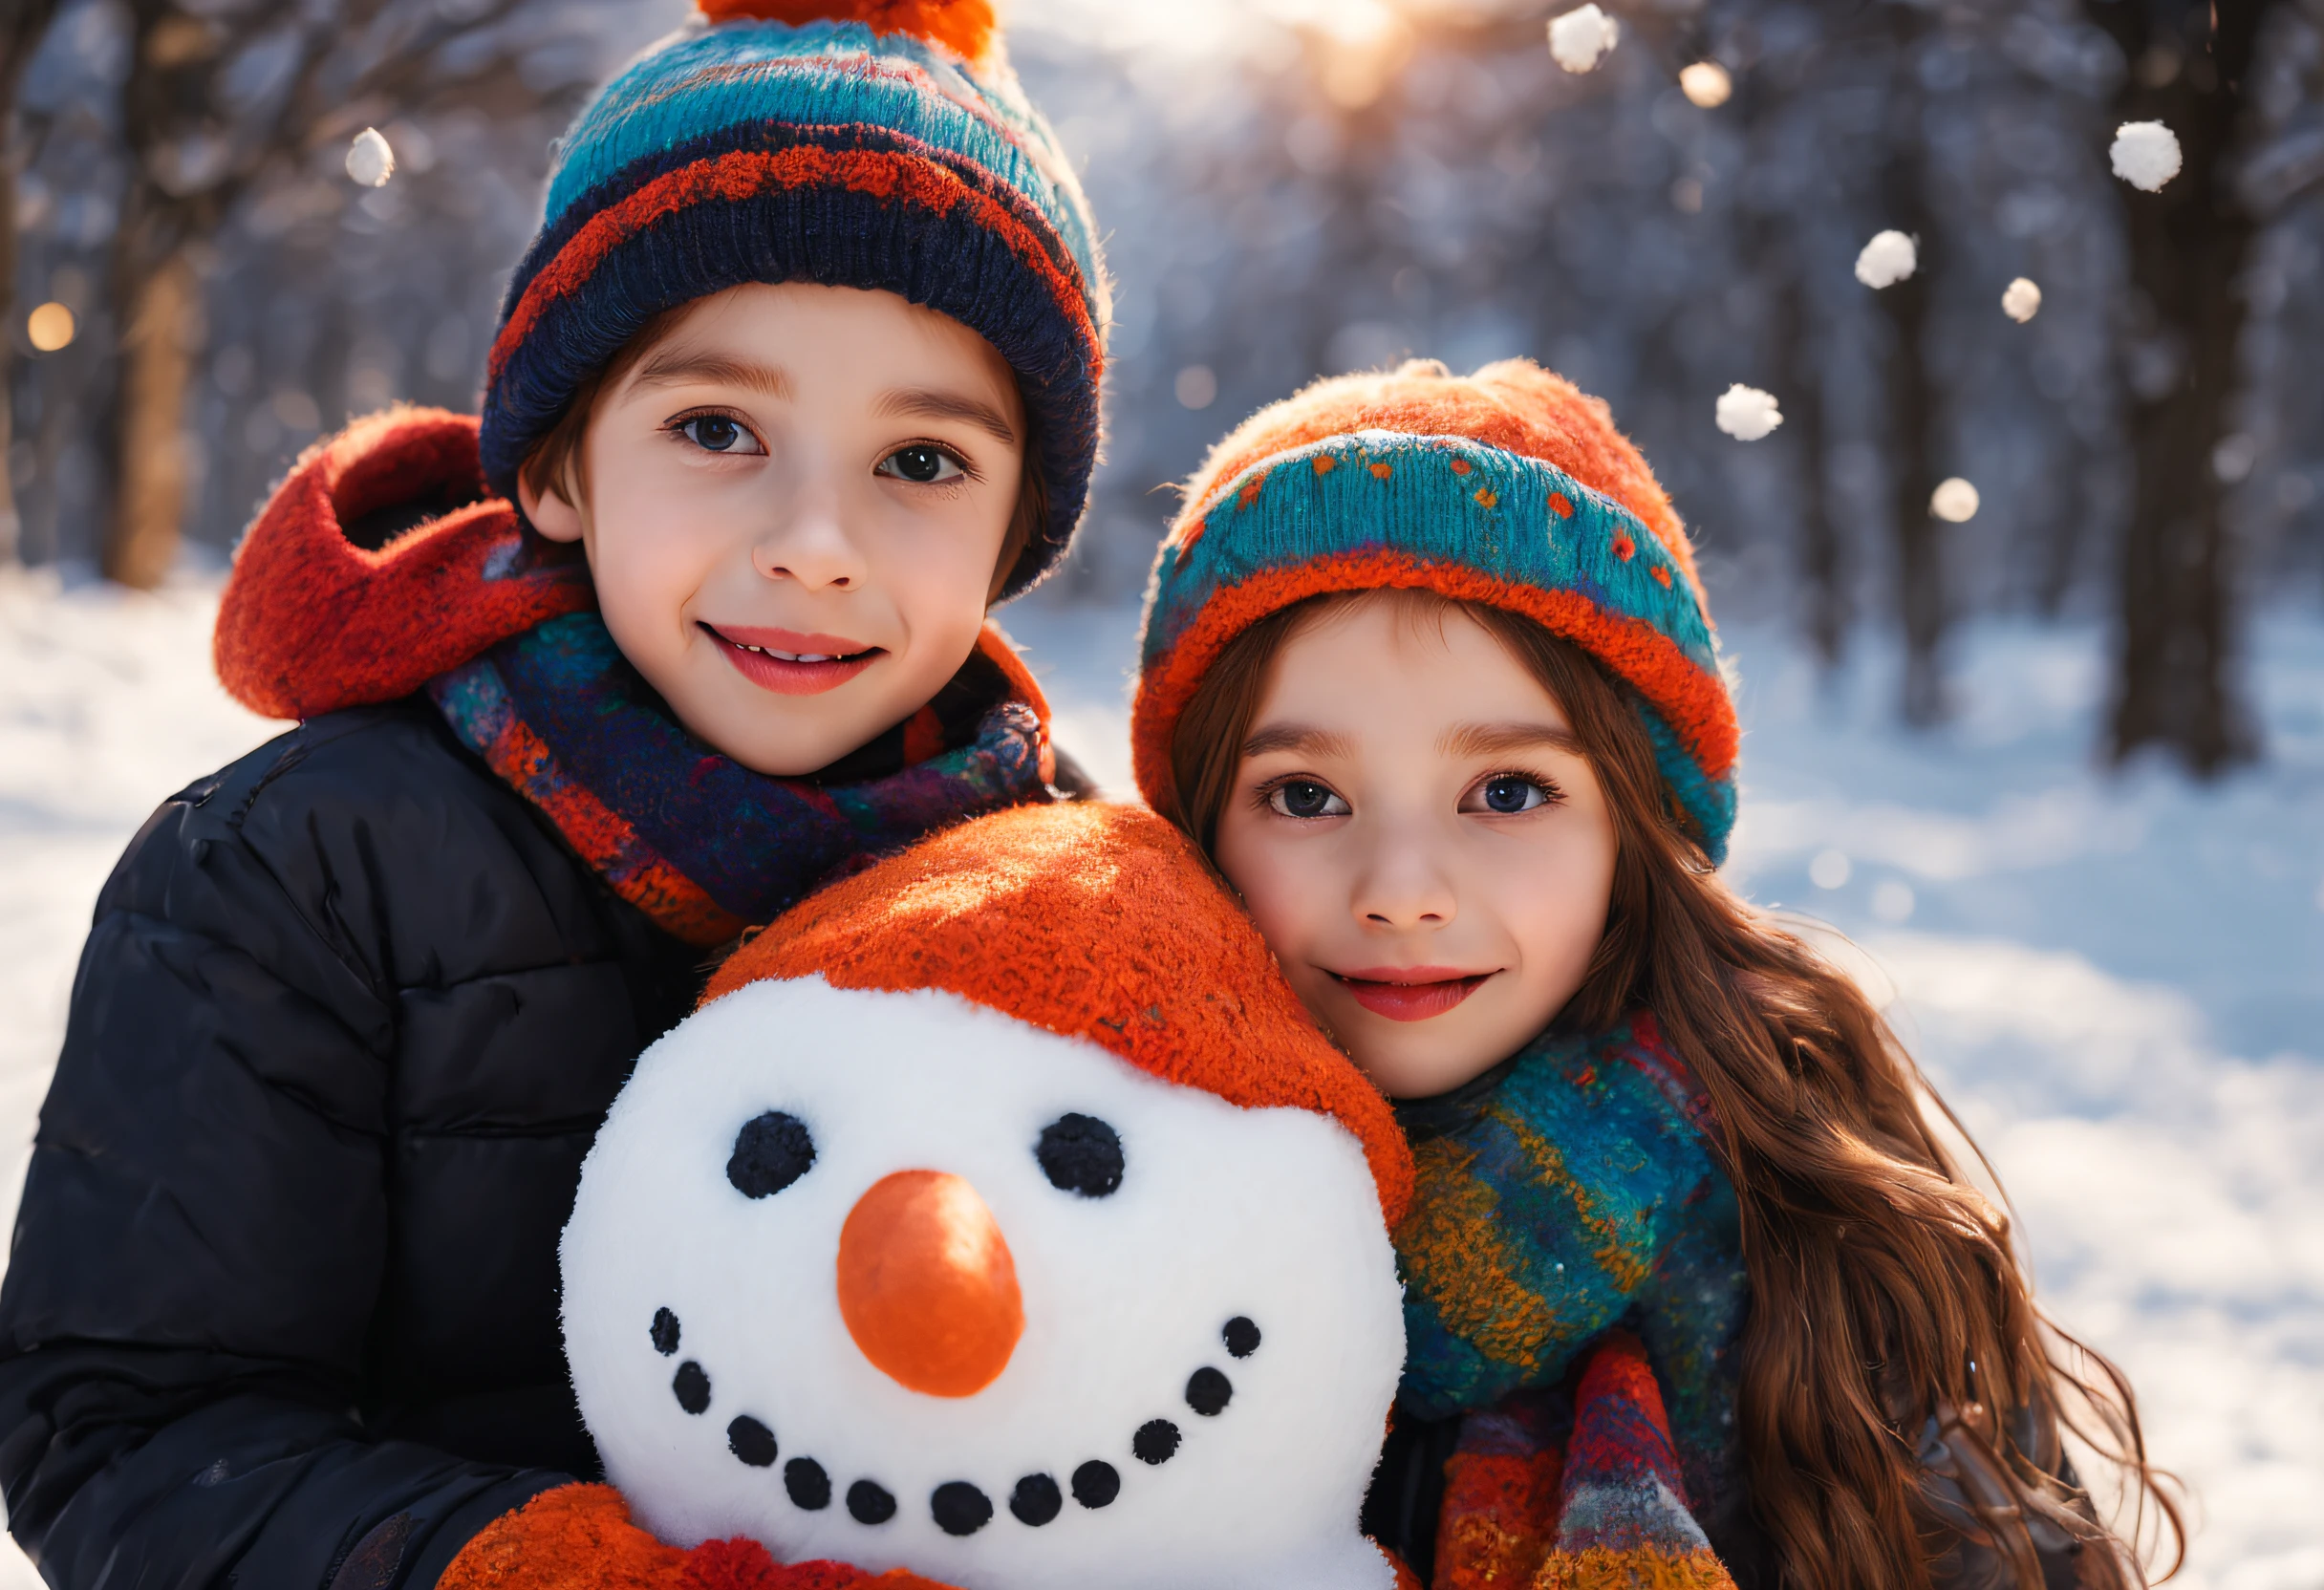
column 1889, row 258
column 2022, row 301
column 1747, row 414
column 1954, row 501
column 2145, row 154
column 368, row 159
column 1579, row 39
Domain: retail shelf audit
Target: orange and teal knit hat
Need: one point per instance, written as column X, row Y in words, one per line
column 869, row 144
column 1508, row 487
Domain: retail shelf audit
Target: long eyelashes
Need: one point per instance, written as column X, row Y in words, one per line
column 721, row 433
column 1509, row 792
column 965, row 471
column 1299, row 797
column 922, row 461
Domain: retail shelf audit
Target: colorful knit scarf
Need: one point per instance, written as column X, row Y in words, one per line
column 702, row 843
column 381, row 568
column 1548, row 1492
column 1565, row 1199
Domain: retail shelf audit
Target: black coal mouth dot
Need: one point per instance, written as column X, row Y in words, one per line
column 960, row 1507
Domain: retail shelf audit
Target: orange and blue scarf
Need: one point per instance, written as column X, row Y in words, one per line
column 701, row 842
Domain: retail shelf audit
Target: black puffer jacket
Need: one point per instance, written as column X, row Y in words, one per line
column 281, row 1310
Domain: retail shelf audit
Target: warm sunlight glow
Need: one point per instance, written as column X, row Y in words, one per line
column 1363, row 44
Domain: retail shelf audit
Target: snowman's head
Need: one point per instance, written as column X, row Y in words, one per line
column 905, row 1276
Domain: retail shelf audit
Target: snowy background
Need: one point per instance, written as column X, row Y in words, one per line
column 2115, row 983
column 2115, row 974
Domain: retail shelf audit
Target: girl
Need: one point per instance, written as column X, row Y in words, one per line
column 1428, row 673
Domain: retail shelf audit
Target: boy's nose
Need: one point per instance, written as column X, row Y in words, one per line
column 811, row 544
column 926, row 1284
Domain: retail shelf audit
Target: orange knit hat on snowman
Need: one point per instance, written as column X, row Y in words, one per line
column 1100, row 922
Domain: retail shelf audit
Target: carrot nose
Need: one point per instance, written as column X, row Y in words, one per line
column 926, row 1284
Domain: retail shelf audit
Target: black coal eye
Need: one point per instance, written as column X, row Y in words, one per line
column 770, row 1153
column 1079, row 1153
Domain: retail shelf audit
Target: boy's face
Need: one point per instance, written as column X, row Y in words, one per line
column 793, row 509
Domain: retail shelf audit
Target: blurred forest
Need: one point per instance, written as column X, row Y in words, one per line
column 200, row 289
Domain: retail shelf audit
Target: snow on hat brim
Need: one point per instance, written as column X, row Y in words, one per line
column 1098, row 922
column 1509, row 488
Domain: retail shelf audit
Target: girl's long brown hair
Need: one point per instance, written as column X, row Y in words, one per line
column 1885, row 1293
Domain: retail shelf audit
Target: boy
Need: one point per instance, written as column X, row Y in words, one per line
column 801, row 374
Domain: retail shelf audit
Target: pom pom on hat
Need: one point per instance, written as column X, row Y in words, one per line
column 963, row 27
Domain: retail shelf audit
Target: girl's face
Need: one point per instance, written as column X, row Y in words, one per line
column 794, row 507
column 1419, row 838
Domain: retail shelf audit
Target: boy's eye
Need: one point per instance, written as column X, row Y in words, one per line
column 719, row 433
column 920, row 463
column 1306, row 798
column 1507, row 793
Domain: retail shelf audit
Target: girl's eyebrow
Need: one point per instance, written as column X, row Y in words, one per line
column 1485, row 740
column 673, row 366
column 949, row 405
column 1299, row 738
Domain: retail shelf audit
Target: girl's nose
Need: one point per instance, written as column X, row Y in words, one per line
column 1402, row 887
column 927, row 1287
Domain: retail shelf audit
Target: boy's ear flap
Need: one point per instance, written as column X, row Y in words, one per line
column 548, row 512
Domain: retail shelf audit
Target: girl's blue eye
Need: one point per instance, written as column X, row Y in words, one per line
column 1306, row 798
column 1507, row 793
column 717, row 433
column 921, row 463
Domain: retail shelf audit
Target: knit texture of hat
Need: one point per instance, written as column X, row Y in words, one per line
column 868, row 143
column 1098, row 922
column 1508, row 487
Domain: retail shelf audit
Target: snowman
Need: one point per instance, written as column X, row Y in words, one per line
column 1000, row 1215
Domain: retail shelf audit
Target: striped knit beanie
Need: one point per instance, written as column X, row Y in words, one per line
column 1508, row 487
column 868, row 143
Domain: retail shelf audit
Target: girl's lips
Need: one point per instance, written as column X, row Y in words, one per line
column 791, row 663
column 1410, row 994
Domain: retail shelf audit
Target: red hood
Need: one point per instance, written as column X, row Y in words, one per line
column 312, row 622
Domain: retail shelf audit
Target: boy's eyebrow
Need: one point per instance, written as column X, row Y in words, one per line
column 674, row 365
column 1300, row 737
column 949, row 405
column 1485, row 740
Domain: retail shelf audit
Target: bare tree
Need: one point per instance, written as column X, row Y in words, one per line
column 2174, row 683
column 20, row 31
column 213, row 105
column 1923, row 600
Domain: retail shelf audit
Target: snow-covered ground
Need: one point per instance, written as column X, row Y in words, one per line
column 2119, row 984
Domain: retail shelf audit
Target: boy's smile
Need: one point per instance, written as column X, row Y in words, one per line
column 789, row 663
column 795, row 503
